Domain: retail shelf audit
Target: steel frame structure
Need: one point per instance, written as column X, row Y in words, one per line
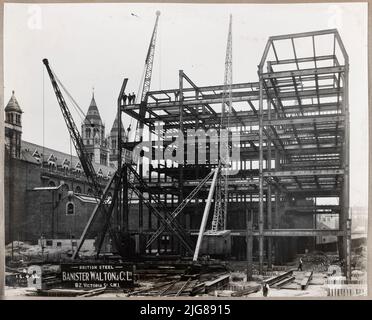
column 294, row 131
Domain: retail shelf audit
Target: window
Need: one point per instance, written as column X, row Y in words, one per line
column 59, row 244
column 113, row 144
column 78, row 167
column 66, row 164
column 36, row 155
column 65, row 188
column 70, row 208
column 49, row 243
column 87, row 133
column 165, row 239
column 51, row 184
column 78, row 189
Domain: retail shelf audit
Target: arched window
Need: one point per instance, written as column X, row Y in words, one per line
column 65, row 188
column 78, row 189
column 87, row 132
column 90, row 191
column 66, row 164
column 113, row 143
column 51, row 184
column 78, row 168
column 70, row 208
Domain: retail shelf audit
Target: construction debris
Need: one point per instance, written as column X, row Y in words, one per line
column 279, row 279
column 246, row 291
column 306, row 280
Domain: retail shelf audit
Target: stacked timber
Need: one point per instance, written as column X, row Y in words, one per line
column 246, row 291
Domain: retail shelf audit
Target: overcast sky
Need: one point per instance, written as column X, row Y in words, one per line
column 97, row 45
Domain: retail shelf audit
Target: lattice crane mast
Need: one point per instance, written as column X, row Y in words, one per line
column 147, row 75
column 220, row 209
column 77, row 140
column 85, row 161
column 149, row 62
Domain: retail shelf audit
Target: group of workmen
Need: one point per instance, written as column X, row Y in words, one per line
column 131, row 98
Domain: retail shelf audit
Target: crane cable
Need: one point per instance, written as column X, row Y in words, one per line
column 75, row 105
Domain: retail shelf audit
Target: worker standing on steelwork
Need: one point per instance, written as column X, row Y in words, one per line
column 300, row 265
column 129, row 98
column 125, row 98
column 133, row 98
column 265, row 289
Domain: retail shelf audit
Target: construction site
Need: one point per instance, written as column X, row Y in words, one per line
column 220, row 189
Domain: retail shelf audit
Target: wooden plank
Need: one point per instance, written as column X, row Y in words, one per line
column 218, row 283
column 279, row 278
column 306, row 280
column 247, row 291
column 283, row 282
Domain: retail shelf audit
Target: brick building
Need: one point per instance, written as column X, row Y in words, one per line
column 46, row 191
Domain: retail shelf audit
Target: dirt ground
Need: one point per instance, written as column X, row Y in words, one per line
column 317, row 262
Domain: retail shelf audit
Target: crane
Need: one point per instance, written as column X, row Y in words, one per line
column 150, row 60
column 220, row 209
column 86, row 163
column 77, row 140
column 147, row 75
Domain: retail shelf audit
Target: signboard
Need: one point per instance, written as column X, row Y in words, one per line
column 97, row 275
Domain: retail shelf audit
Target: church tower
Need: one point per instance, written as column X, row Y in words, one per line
column 93, row 134
column 113, row 141
column 13, row 127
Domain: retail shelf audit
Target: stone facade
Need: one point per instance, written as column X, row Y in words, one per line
column 39, row 182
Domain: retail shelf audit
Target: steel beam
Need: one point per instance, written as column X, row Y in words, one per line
column 205, row 215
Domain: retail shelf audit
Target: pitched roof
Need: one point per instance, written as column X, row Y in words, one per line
column 28, row 153
column 93, row 116
column 115, row 126
column 13, row 105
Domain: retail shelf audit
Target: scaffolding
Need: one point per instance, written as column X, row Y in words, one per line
column 293, row 131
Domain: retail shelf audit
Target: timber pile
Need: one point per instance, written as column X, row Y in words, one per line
column 246, row 291
column 280, row 279
column 68, row 292
column 151, row 291
column 188, row 284
column 217, row 283
column 283, row 282
column 176, row 288
column 318, row 262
